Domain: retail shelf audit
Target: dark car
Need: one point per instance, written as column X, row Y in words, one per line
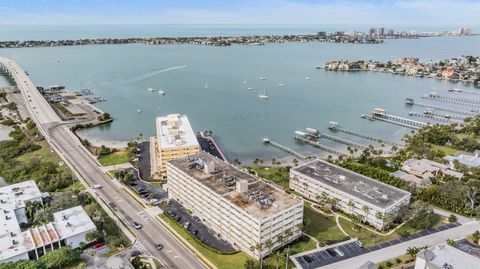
column 308, row 259
column 135, row 253
column 331, row 252
column 195, row 232
column 159, row 246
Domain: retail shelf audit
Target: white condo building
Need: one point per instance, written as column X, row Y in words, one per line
column 353, row 193
column 175, row 139
column 444, row 256
column 68, row 228
column 242, row 209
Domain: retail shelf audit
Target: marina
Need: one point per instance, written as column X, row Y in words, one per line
column 436, row 95
column 434, row 116
column 451, row 101
column 334, row 127
column 380, row 114
column 411, row 102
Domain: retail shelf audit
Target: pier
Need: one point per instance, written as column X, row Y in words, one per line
column 411, row 102
column 267, row 141
column 380, row 114
column 454, row 90
column 435, row 95
column 334, row 126
column 320, row 146
column 451, row 101
column 433, row 116
column 316, row 134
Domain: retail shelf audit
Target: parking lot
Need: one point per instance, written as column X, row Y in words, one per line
column 144, row 160
column 207, row 236
column 345, row 251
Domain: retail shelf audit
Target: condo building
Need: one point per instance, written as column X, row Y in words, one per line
column 240, row 208
column 69, row 227
column 175, row 139
column 353, row 193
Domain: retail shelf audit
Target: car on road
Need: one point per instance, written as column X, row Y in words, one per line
column 159, row 246
column 359, row 244
column 135, row 253
column 96, row 186
column 137, row 225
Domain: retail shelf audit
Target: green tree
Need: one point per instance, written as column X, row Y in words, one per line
column 60, row 258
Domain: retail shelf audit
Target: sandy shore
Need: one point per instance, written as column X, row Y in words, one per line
column 4, row 131
column 107, row 143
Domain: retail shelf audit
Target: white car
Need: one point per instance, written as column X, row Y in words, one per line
column 96, row 186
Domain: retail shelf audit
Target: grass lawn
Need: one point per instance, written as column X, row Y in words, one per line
column 447, row 150
column 369, row 238
column 157, row 184
column 221, row 261
column 323, row 228
column 45, row 155
column 117, row 157
column 279, row 175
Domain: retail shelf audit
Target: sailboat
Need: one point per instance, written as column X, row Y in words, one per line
column 307, row 77
column 280, row 84
column 139, row 111
column 244, row 81
column 161, row 92
column 250, row 88
column 262, row 78
column 264, row 95
column 206, row 85
column 151, row 89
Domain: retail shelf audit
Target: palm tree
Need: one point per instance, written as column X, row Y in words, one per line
column 260, row 162
column 258, row 247
column 255, row 162
column 277, row 260
column 413, row 251
column 351, row 204
column 366, row 209
column 288, row 233
column 295, row 162
column 281, row 239
column 237, row 162
column 269, row 244
column 274, row 162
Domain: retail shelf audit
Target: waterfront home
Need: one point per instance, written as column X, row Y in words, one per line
column 467, row 159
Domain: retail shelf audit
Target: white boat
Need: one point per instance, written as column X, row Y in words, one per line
column 250, row 88
column 206, row 85
column 139, row 111
column 281, row 85
column 244, row 81
column 307, row 78
column 150, row 89
column 264, row 94
column 262, row 78
column 161, row 92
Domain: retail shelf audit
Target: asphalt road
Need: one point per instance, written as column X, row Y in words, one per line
column 174, row 254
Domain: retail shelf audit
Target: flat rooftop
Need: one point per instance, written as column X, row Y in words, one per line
column 72, row 221
column 441, row 255
column 17, row 195
column 217, row 181
column 174, row 131
column 361, row 187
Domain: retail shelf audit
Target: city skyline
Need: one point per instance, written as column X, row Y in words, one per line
column 372, row 12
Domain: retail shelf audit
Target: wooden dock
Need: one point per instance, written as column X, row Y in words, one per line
column 267, row 141
column 320, row 146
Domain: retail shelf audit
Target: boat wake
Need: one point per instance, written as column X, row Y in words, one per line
column 154, row 73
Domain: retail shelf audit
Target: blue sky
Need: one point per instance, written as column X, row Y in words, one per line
column 368, row 12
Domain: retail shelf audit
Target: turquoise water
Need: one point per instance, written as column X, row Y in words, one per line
column 122, row 73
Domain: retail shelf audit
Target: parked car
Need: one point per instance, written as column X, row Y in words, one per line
column 195, row 232
column 359, row 244
column 195, row 218
column 97, row 245
column 308, row 259
column 135, row 253
column 331, row 252
column 339, row 252
column 186, row 225
column 137, row 225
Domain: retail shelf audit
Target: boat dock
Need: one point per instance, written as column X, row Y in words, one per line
column 318, row 145
column 453, row 90
column 334, row 126
column 316, row 134
column 411, row 101
column 433, row 116
column 451, row 101
column 267, row 141
column 436, row 96
column 380, row 114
